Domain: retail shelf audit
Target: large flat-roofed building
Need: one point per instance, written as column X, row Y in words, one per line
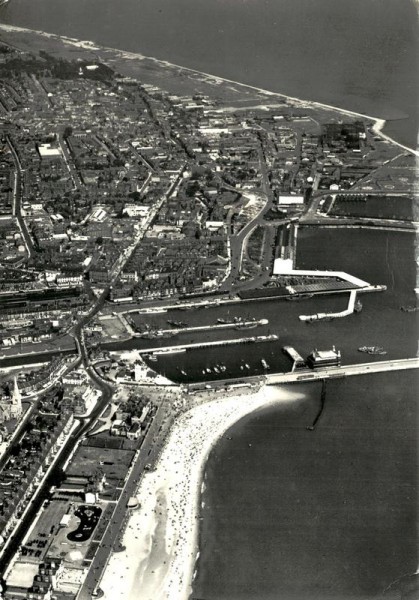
column 47, row 151
column 324, row 358
column 290, row 200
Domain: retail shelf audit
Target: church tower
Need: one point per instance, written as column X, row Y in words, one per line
column 16, row 408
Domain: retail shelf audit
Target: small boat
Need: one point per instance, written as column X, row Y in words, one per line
column 358, row 306
column 245, row 326
column 178, row 324
column 247, row 366
column 183, row 372
column 372, row 350
column 208, row 370
column 264, row 364
column 152, row 357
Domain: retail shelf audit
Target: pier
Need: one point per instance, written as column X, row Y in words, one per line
column 282, row 268
column 182, row 347
column 303, row 375
column 233, row 325
column 298, row 360
column 333, row 315
column 343, row 371
column 344, row 313
column 321, row 409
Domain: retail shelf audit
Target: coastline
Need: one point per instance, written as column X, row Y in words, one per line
column 210, row 78
column 162, row 541
column 161, row 537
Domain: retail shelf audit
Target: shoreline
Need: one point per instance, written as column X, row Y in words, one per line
column 159, row 529
column 92, row 46
column 161, row 538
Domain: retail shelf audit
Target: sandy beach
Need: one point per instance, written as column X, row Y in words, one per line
column 161, row 537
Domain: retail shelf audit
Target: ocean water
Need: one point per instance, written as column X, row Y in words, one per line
column 357, row 54
column 299, row 515
column 328, row 514
column 331, row 514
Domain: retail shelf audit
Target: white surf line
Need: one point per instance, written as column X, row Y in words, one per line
column 378, row 127
column 88, row 45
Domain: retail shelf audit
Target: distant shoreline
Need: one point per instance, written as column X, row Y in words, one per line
column 92, row 46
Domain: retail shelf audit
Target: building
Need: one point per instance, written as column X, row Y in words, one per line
column 11, row 407
column 290, row 200
column 34, row 581
column 47, row 151
column 324, row 358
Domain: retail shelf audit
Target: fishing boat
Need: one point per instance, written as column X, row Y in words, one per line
column 246, row 325
column 409, row 308
column 372, row 350
column 178, row 324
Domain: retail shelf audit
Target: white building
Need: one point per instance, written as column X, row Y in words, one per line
column 48, row 151
column 290, row 200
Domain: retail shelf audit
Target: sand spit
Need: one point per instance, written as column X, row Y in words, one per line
column 161, row 537
column 209, row 78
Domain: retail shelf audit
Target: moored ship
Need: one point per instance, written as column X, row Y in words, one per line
column 372, row 350
column 246, row 325
column 169, row 351
column 178, row 324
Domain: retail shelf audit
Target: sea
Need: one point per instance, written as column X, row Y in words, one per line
column 289, row 513
column 360, row 55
